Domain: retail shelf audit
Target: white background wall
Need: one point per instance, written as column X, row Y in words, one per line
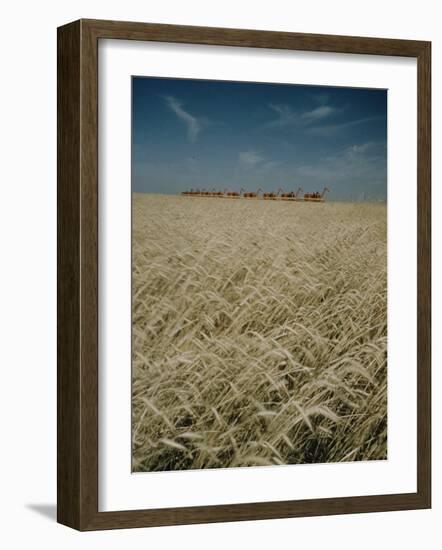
column 28, row 270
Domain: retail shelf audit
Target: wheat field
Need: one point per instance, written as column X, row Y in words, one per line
column 259, row 332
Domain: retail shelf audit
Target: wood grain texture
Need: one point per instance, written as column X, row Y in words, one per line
column 253, row 38
column 77, row 224
column 424, row 274
column 68, row 275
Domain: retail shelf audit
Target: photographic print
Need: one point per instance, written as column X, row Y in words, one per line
column 259, row 274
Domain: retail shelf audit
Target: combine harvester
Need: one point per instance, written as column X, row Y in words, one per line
column 252, row 194
column 280, row 195
column 316, row 197
column 291, row 196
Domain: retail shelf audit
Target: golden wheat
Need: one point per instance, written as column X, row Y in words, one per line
column 259, row 333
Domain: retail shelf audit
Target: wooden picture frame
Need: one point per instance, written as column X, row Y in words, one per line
column 78, row 274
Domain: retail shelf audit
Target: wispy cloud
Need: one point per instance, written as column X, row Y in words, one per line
column 253, row 161
column 250, row 158
column 361, row 149
column 369, row 151
column 329, row 130
column 193, row 123
column 286, row 116
column 323, row 111
column 322, row 98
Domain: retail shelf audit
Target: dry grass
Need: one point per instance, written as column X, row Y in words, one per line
column 259, row 333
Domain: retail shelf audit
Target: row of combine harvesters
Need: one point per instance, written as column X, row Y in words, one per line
column 260, row 194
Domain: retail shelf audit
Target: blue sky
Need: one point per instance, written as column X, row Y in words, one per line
column 200, row 133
